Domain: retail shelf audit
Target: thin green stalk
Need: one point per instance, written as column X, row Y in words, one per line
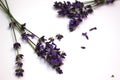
column 7, row 5
column 18, row 25
column 4, row 8
column 15, row 38
column 14, row 34
column 86, row 2
column 31, row 43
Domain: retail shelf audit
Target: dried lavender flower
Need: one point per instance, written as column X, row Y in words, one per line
column 16, row 45
column 77, row 11
column 49, row 52
column 19, row 72
column 85, row 34
column 94, row 28
column 59, row 37
column 83, row 47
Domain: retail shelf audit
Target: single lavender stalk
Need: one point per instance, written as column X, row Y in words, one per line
column 19, row 71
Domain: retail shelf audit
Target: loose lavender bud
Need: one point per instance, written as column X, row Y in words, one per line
column 85, row 34
column 94, row 28
column 83, row 47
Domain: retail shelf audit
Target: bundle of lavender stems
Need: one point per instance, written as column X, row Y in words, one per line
column 44, row 48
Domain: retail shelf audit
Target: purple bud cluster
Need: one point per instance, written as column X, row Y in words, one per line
column 19, row 71
column 75, row 11
column 47, row 49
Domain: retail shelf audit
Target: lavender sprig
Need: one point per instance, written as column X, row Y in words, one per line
column 19, row 71
column 77, row 11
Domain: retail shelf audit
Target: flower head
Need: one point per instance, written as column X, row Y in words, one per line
column 24, row 36
column 19, row 72
column 16, row 45
column 59, row 36
column 49, row 52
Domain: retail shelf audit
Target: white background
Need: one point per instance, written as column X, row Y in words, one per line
column 98, row 61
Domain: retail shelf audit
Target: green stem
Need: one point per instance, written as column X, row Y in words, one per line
column 86, row 2
column 3, row 7
column 31, row 44
column 7, row 5
column 15, row 38
column 14, row 34
column 18, row 25
column 17, row 52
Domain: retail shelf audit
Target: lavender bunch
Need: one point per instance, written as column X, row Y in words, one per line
column 77, row 11
column 47, row 49
column 44, row 48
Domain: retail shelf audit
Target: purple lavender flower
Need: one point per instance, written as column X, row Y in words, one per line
column 77, row 10
column 85, row 34
column 94, row 28
column 19, row 57
column 59, row 36
column 78, row 4
column 58, row 5
column 19, row 64
column 16, row 45
column 19, row 72
column 24, row 36
column 49, row 52
column 73, row 24
column 12, row 24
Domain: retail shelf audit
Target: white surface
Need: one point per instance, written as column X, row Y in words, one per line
column 98, row 61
